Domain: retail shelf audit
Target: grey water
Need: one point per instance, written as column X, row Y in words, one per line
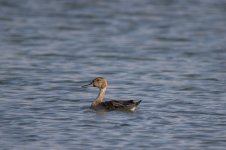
column 171, row 54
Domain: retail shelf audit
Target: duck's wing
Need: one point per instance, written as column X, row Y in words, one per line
column 120, row 105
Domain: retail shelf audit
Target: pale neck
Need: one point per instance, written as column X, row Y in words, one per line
column 100, row 97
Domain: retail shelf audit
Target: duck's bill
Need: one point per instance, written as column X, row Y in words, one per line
column 87, row 85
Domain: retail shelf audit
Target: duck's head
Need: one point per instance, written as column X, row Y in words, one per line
column 98, row 82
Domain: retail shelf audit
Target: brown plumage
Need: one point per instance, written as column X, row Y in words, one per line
column 100, row 104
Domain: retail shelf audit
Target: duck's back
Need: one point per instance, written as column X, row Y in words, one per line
column 128, row 105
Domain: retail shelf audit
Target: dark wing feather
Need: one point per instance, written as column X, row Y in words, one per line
column 119, row 105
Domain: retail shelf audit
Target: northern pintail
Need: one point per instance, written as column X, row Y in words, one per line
column 100, row 104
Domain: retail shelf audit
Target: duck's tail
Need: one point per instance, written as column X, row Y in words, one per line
column 138, row 102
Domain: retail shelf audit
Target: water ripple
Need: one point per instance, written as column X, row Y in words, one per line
column 170, row 54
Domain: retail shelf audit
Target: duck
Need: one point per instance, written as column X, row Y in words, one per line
column 100, row 104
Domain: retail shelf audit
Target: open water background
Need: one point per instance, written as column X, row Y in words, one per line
column 169, row 53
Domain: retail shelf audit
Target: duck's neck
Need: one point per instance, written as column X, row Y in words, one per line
column 100, row 97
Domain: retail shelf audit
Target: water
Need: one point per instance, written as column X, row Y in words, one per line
column 169, row 53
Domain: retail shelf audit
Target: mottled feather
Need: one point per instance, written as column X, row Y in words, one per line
column 120, row 105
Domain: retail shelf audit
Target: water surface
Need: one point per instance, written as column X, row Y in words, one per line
column 171, row 54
